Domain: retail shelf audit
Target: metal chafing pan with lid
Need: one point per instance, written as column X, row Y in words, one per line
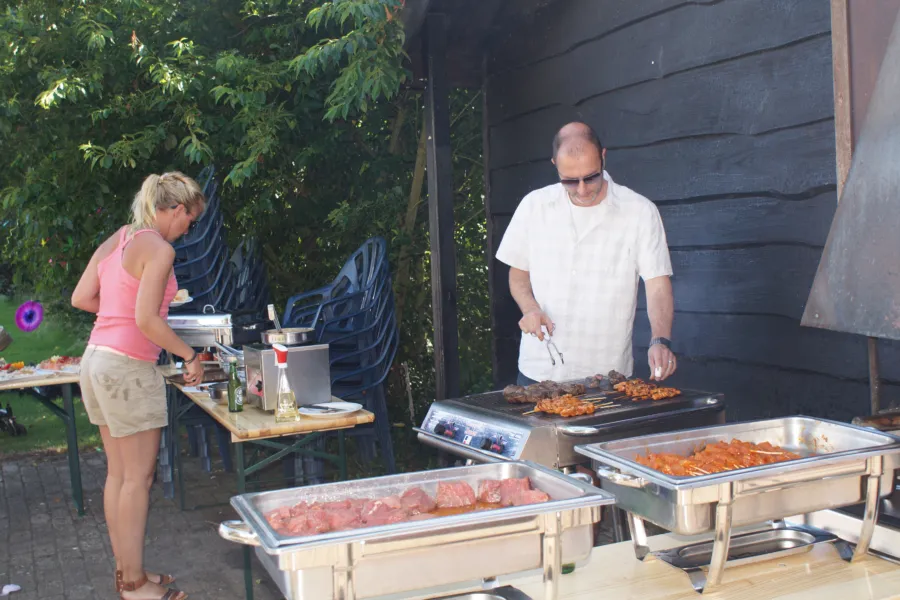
column 421, row 555
column 202, row 330
column 840, row 465
column 289, row 336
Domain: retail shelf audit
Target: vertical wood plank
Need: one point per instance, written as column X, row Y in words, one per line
column 440, row 210
column 493, row 239
column 843, row 114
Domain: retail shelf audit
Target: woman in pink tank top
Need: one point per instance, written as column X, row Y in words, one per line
column 129, row 284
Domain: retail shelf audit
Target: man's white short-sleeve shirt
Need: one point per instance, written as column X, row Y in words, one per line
column 588, row 285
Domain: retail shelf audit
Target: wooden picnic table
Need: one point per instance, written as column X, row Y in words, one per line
column 60, row 382
column 253, row 423
column 258, row 427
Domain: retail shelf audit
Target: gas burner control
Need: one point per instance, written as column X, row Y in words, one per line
column 476, row 434
column 445, row 429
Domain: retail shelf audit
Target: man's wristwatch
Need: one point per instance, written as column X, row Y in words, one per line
column 661, row 340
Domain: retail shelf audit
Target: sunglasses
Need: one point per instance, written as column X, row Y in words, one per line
column 193, row 224
column 589, row 180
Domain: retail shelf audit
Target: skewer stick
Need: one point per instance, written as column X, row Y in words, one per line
column 768, row 452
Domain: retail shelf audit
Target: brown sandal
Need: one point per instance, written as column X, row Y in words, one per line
column 131, row 586
column 164, row 580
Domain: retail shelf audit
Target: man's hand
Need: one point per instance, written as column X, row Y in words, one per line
column 533, row 323
column 662, row 362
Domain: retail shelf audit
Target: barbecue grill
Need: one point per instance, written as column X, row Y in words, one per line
column 486, row 428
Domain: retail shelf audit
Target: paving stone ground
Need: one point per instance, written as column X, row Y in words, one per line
column 54, row 554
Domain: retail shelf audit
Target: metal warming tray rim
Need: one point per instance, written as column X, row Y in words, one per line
column 274, row 543
column 887, row 444
column 495, row 405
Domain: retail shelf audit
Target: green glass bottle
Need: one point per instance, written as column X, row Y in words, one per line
column 235, row 390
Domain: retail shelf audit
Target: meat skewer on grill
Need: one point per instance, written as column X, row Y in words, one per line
column 638, row 389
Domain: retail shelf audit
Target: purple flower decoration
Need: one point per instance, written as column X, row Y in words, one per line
column 29, row 316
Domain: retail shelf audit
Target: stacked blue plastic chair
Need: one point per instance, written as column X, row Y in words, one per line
column 355, row 315
column 229, row 282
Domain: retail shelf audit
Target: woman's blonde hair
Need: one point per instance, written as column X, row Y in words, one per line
column 164, row 191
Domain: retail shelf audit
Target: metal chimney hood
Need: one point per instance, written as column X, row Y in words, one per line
column 857, row 285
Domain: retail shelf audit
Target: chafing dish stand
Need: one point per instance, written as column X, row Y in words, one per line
column 840, row 465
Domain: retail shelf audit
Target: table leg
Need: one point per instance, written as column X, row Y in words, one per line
column 242, row 488
column 72, row 442
column 342, row 453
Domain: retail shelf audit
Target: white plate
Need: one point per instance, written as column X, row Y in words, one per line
column 176, row 304
column 36, row 374
column 344, row 408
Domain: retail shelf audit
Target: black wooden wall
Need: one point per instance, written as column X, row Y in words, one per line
column 721, row 112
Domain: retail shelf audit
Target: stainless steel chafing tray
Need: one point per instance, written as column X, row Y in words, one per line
column 841, row 465
column 202, row 330
column 421, row 555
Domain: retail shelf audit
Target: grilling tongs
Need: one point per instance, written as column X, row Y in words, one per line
column 549, row 339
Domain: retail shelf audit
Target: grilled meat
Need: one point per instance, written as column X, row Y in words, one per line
column 615, row 377
column 572, row 389
column 717, row 457
column 639, row 389
column 538, row 392
column 545, row 390
column 565, row 406
column 664, row 392
column 598, row 382
column 515, row 394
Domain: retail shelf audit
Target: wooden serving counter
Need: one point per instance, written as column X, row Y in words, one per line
column 613, row 573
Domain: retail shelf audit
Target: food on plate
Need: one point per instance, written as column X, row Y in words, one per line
column 717, row 457
column 58, row 363
column 638, row 389
column 414, row 504
column 15, row 366
column 181, row 296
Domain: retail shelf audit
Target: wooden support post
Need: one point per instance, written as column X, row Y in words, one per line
column 843, row 115
column 440, row 210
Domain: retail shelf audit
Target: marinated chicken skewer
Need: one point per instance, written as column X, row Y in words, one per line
column 638, row 389
column 569, row 406
column 717, row 457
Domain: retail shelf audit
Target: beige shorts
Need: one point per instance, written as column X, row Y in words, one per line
column 123, row 393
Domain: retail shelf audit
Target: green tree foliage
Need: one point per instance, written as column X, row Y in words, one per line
column 298, row 103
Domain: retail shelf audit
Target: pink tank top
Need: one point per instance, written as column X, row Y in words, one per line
column 115, row 326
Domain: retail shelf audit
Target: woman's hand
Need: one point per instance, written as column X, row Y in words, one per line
column 193, row 371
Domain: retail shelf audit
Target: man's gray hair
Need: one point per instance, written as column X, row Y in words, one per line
column 576, row 132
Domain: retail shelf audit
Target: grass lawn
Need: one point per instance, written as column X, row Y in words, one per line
column 45, row 431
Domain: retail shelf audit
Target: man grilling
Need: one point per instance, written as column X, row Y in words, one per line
column 576, row 250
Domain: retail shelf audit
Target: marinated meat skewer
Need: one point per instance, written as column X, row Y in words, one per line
column 566, row 406
column 717, row 457
column 638, row 389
